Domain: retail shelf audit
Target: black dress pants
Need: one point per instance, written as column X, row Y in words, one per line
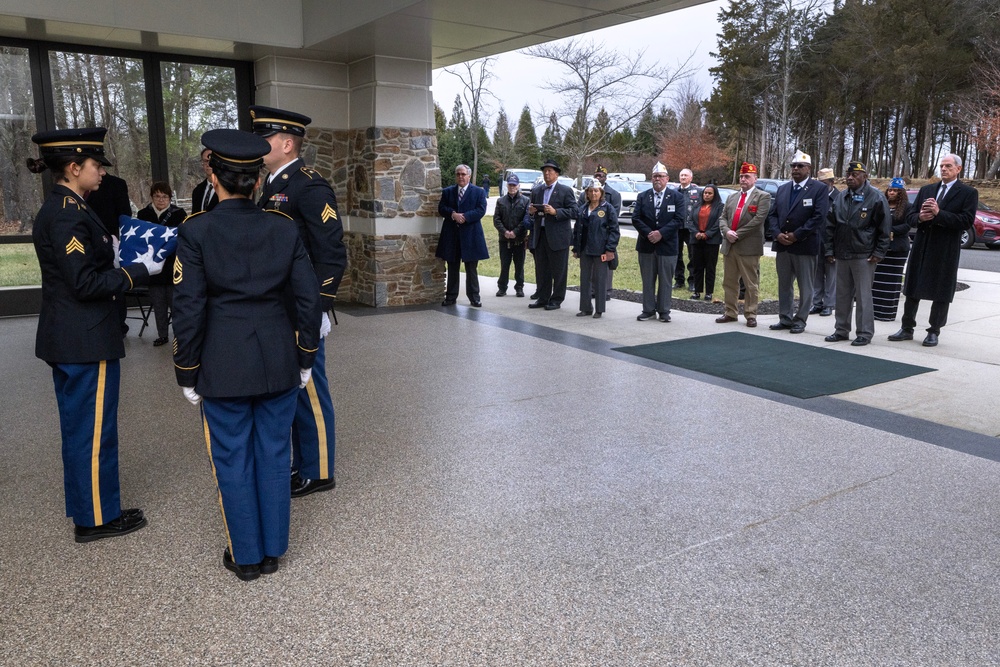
column 939, row 314
column 471, row 280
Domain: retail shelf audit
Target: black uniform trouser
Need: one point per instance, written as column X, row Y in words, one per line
column 939, row 314
column 682, row 243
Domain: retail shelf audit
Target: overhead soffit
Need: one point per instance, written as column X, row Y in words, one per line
column 445, row 32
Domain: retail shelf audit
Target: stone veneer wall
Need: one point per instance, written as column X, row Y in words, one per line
column 384, row 172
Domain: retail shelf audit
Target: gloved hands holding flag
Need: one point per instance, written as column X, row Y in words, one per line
column 148, row 260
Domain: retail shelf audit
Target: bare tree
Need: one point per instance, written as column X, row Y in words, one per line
column 475, row 76
column 597, row 77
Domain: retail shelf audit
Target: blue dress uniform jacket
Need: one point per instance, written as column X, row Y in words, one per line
column 233, row 336
column 673, row 210
column 596, row 232
column 464, row 242
column 803, row 214
column 302, row 194
column 81, row 288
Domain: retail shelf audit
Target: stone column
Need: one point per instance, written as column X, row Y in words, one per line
column 373, row 137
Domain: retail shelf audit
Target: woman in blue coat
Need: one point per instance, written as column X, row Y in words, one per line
column 595, row 242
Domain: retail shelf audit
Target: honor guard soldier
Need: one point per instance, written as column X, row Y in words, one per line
column 79, row 331
column 300, row 192
column 237, row 348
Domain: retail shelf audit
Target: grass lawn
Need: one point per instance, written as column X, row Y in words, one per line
column 626, row 275
column 19, row 265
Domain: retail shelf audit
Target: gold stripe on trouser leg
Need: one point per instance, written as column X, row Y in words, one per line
column 95, row 448
column 324, row 463
column 208, row 445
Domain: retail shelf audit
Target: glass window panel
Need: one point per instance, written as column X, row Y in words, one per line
column 107, row 91
column 21, row 192
column 196, row 98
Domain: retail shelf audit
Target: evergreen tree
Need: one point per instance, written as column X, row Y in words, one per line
column 527, row 155
column 552, row 139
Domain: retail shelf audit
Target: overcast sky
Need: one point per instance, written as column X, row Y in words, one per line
column 671, row 37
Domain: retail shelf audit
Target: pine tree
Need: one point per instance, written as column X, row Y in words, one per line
column 527, row 155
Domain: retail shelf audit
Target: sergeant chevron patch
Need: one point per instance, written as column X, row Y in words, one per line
column 328, row 214
column 75, row 246
column 178, row 271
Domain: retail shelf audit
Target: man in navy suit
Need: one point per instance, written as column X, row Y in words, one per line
column 462, row 240
column 941, row 212
column 552, row 209
column 795, row 221
column 659, row 213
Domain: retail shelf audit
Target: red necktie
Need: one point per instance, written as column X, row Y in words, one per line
column 739, row 210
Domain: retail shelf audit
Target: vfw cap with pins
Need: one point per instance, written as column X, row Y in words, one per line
column 659, row 168
column 801, row 156
column 82, row 142
column 268, row 121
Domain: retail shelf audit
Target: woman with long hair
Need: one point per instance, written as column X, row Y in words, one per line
column 79, row 328
column 889, row 272
column 705, row 238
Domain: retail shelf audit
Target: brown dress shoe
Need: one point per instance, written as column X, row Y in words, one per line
column 751, row 322
column 724, row 319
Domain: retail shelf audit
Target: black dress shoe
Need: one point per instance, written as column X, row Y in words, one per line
column 902, row 334
column 519, row 293
column 244, row 572
column 597, row 316
column 476, row 304
column 584, row 313
column 826, row 312
column 664, row 318
column 779, row 326
column 448, row 302
column 798, row 328
column 694, row 296
column 269, row 565
column 815, row 310
column 534, row 296
column 501, row 292
column 303, row 486
column 643, row 316
column 931, row 340
column 836, row 338
column 552, row 306
column 861, row 340
column 160, row 341
column 679, row 284
column 537, row 304
column 130, row 521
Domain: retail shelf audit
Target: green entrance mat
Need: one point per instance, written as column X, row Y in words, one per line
column 777, row 365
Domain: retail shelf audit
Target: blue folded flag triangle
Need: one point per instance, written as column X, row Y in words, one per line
column 137, row 236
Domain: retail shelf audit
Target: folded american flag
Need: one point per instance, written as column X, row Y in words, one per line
column 138, row 236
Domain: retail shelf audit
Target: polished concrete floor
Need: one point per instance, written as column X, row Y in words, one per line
column 513, row 493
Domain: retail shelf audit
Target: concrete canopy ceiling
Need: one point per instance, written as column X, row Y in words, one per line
column 444, row 32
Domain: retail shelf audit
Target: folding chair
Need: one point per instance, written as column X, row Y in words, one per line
column 140, row 298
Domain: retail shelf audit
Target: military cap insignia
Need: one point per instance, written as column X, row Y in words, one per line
column 328, row 213
column 253, row 114
column 74, row 245
column 178, row 271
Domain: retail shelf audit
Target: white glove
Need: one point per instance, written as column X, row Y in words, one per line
column 191, row 395
column 115, row 243
column 146, row 259
column 304, row 375
column 324, row 326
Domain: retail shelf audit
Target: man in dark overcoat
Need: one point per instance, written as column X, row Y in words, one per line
column 462, row 206
column 941, row 212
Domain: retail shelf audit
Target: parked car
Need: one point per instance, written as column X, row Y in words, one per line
column 770, row 185
column 526, row 176
column 985, row 228
column 628, row 192
column 565, row 180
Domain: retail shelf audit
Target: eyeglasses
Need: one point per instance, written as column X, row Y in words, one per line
column 798, row 165
column 160, row 195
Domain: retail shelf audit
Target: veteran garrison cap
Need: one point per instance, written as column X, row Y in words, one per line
column 83, row 141
column 236, row 150
column 268, row 121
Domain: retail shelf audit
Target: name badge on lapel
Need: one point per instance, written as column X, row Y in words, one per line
column 671, row 208
column 807, row 202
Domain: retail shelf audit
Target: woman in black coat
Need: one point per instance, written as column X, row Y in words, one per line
column 595, row 242
column 162, row 211
column 705, row 238
column 889, row 272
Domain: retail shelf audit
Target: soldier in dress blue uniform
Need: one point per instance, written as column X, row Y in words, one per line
column 236, row 346
column 300, row 192
column 79, row 331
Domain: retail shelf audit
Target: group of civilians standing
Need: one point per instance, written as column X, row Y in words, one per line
column 252, row 283
column 843, row 250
